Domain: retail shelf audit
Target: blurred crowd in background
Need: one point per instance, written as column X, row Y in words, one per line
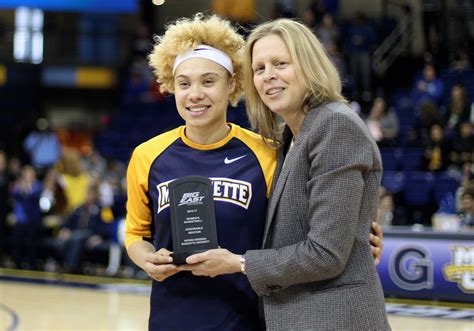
column 62, row 204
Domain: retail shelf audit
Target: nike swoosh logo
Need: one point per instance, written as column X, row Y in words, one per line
column 229, row 161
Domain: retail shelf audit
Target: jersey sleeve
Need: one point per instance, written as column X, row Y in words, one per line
column 266, row 155
column 139, row 218
column 138, row 223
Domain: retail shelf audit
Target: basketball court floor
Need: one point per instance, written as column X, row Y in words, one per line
column 49, row 301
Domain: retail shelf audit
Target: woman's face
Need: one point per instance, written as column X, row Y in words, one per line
column 275, row 76
column 29, row 174
column 467, row 203
column 465, row 129
column 202, row 88
column 457, row 93
column 429, row 73
column 437, row 133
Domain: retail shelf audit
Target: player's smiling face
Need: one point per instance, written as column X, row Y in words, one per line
column 202, row 88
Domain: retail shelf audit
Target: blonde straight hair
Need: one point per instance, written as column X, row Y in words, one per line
column 312, row 63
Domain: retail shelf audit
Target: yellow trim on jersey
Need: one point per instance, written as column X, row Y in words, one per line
column 265, row 155
column 215, row 145
column 139, row 218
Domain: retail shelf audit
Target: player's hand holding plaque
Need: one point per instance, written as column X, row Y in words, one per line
column 193, row 219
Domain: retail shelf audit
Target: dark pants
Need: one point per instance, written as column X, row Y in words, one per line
column 73, row 249
column 3, row 233
column 24, row 243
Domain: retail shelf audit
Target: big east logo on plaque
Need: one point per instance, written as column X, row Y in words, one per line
column 193, row 219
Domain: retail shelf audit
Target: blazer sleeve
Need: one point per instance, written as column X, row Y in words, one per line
column 341, row 155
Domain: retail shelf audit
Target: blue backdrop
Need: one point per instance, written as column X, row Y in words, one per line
column 120, row 6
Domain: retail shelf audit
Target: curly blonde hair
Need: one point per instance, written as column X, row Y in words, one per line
column 186, row 33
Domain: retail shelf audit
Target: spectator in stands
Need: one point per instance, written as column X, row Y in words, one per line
column 93, row 162
column 283, row 8
column 436, row 51
column 458, row 110
column 360, row 42
column 142, row 42
column 419, row 135
column 338, row 60
column 316, row 9
column 137, row 89
column 428, row 88
column 467, row 212
column 391, row 209
column 463, row 146
column 106, row 190
column 467, row 180
column 383, row 123
column 331, row 6
column 461, row 61
column 5, row 181
column 140, row 87
column 53, row 199
column 386, row 209
column 42, row 145
column 53, row 205
column 89, row 226
column 437, row 152
column 74, row 179
column 14, row 168
column 116, row 172
column 328, row 31
column 28, row 217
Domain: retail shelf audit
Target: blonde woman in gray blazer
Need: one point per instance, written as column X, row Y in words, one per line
column 315, row 270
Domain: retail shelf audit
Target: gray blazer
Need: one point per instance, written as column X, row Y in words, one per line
column 316, row 271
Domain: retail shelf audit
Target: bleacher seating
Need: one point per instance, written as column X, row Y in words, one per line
column 393, row 181
column 451, row 77
column 445, row 183
column 136, row 123
column 421, row 188
column 412, row 159
column 402, row 159
column 391, row 158
column 139, row 121
column 405, row 109
column 418, row 188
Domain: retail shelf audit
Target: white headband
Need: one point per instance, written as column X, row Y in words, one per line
column 205, row 52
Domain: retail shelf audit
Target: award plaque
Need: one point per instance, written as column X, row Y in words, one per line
column 193, row 219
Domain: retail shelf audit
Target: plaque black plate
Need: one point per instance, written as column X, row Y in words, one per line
column 193, row 219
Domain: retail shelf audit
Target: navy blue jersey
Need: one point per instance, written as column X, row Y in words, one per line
column 241, row 168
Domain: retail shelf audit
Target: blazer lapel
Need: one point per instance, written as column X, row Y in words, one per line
column 281, row 175
column 283, row 167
